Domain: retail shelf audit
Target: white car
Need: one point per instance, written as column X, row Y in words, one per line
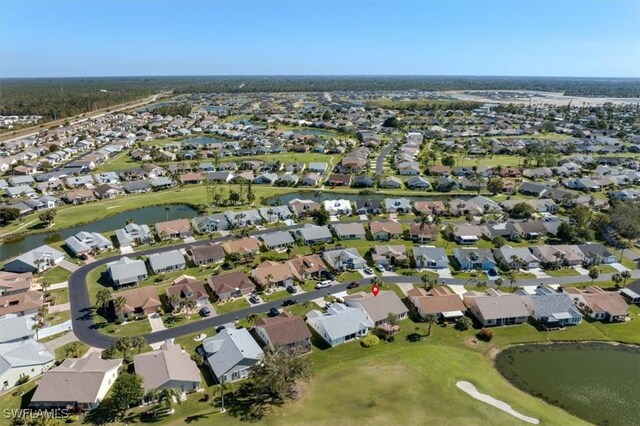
column 380, row 268
column 323, row 284
column 368, row 270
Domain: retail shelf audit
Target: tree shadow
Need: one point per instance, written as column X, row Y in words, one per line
column 246, row 404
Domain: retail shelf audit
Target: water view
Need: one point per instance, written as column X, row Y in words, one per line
column 330, row 195
column 202, row 140
column 595, row 381
column 148, row 215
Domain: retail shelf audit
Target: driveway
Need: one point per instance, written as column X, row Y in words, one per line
column 581, row 270
column 444, row 273
column 155, row 321
column 54, row 344
column 539, row 273
column 619, row 267
column 126, row 250
column 71, row 267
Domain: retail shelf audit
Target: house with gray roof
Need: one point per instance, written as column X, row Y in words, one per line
column 168, row 367
column 166, row 261
column 134, row 234
column 230, row 354
column 244, row 218
column 318, row 167
column 210, row 223
column 349, row 231
column 430, row 257
column 277, row 240
column 551, row 309
column 376, row 309
column 397, row 205
column 516, row 257
column 85, row 242
column 312, row 234
column 343, row 259
column 37, row 260
column 340, row 324
column 162, row 183
column 126, row 271
column 474, row 259
column 595, row 253
column 20, row 191
column 275, row 213
column 20, row 358
column 496, row 308
column 14, row 328
column 136, row 186
column 418, row 182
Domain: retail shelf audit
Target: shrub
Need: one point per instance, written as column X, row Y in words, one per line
column 485, row 334
column 23, row 379
column 119, row 321
column 390, row 339
column 370, row 340
column 463, row 324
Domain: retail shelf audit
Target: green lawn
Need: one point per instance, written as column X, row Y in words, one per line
column 58, row 317
column 226, row 307
column 61, row 352
column 56, row 275
column 61, row 295
column 130, row 328
column 564, row 272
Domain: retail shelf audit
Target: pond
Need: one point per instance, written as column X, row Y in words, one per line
column 203, row 140
column 314, row 132
column 213, row 108
column 145, row 215
column 330, row 195
column 595, row 381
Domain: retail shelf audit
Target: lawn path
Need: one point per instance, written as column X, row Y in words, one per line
column 471, row 390
column 17, row 229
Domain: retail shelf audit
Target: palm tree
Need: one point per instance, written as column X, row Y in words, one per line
column 190, row 305
column 594, row 272
column 511, row 276
column 138, row 343
column 431, row 318
column 37, row 326
column 168, row 396
column 119, row 303
column 269, row 279
column 625, row 276
column 73, row 350
column 251, row 319
column 223, row 388
column 617, row 279
column 174, row 301
column 449, row 230
column 152, row 395
column 103, row 298
column 124, row 345
column 42, row 313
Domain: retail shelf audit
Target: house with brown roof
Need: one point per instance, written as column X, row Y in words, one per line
column 12, row 282
column 427, row 233
column 435, row 208
column 309, row 266
column 440, row 170
column 376, row 309
column 439, row 301
column 138, row 301
column 187, row 289
column 386, row 230
column 606, row 306
column 390, row 255
column 206, row 254
column 231, row 285
column 23, row 303
column 190, row 178
column 78, row 196
column 269, row 274
column 168, row 367
column 339, row 180
column 303, row 208
column 496, row 308
column 285, row 331
column 244, row 246
column 173, row 229
column 77, row 383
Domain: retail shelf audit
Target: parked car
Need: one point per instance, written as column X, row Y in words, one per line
column 292, row 289
column 328, row 275
column 205, row 311
column 380, row 267
column 254, row 298
column 220, row 328
column 323, row 284
column 354, row 284
column 492, row 273
column 328, row 305
column 368, row 270
column 289, row 302
column 273, row 312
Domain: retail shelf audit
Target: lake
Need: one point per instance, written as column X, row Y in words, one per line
column 203, row 140
column 329, row 195
column 213, row 108
column 595, row 381
column 145, row 215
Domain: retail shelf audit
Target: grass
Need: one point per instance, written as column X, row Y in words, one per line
column 564, row 272
column 61, row 352
column 231, row 306
column 56, row 275
column 58, row 318
column 61, row 295
column 130, row 328
column 607, row 269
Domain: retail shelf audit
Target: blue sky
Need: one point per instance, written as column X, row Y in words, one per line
column 315, row 37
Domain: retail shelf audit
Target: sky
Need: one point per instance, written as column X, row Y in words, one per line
column 62, row 38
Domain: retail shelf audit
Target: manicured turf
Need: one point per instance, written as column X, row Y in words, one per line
column 564, row 272
column 56, row 275
column 226, row 307
column 61, row 352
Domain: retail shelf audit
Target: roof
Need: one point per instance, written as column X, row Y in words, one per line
column 552, row 305
column 34, row 255
column 389, row 226
column 173, row 226
column 75, row 380
column 13, row 282
column 139, row 298
column 272, row 272
column 430, row 253
column 310, row 233
column 242, row 245
column 161, row 260
column 499, row 306
column 170, row 363
column 339, row 321
column 14, row 327
column 378, row 307
column 186, row 287
column 436, row 302
column 23, row 353
column 20, row 302
column 126, row 268
column 354, row 228
column 229, row 348
column 284, row 329
column 277, row 238
column 230, row 282
column 206, row 252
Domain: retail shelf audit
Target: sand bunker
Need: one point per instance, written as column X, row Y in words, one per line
column 471, row 390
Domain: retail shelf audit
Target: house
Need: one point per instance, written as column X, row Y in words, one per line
column 430, row 257
column 439, row 301
column 173, row 229
column 205, row 254
column 631, row 293
column 166, row 261
column 21, row 357
column 126, row 271
column 244, row 246
column 277, row 240
column 136, row 186
column 467, row 234
column 134, row 234
column 310, row 266
column 558, row 256
column 367, row 206
column 275, row 213
column 349, row 231
column 285, row 331
column 391, row 182
column 20, row 304
column 318, row 167
column 37, row 260
column 303, row 208
column 343, row 259
column 85, row 242
column 209, row 224
column 376, row 309
column 269, row 274
column 311, row 179
column 385, row 230
column 311, row 234
column 470, row 259
column 190, row 178
column 337, row 207
column 77, row 383
column 435, row 208
column 170, row 366
column 551, row 309
column 78, row 196
column 390, row 255
column 418, row 182
column 12, row 282
column 162, row 183
column 516, row 257
column 397, row 205
column 363, row 182
column 421, row 233
column 594, row 254
column 599, row 304
column 138, row 301
column 108, row 191
column 496, row 308
column 339, row 180
column 339, row 324
column 230, row 285
column 230, row 354
column 244, row 218
column 440, row 171
column 187, row 289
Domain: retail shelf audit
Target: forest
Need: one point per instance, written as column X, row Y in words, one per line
column 64, row 97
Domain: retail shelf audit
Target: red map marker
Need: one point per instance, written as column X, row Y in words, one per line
column 375, row 290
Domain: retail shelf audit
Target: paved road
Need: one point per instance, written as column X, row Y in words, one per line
column 385, row 151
